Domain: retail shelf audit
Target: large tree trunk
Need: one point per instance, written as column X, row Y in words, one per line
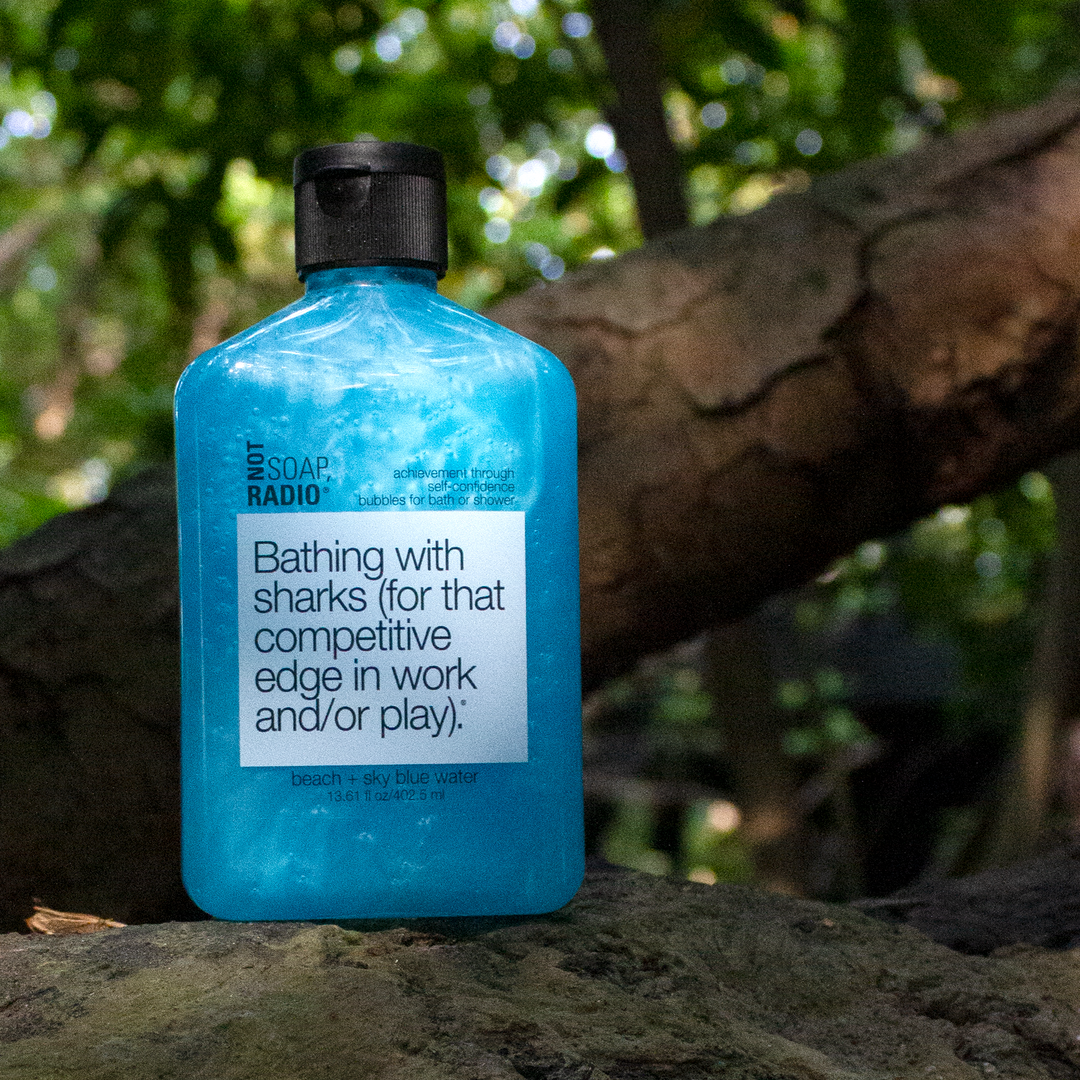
column 759, row 395
column 756, row 397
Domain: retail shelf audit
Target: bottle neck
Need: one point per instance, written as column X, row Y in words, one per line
column 368, row 275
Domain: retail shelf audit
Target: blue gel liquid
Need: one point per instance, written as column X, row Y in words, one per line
column 372, row 373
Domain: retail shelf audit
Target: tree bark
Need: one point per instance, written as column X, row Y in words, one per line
column 760, row 395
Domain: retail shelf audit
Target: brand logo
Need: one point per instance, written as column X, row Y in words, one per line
column 303, row 475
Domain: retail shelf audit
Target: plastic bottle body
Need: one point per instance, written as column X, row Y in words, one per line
column 378, row 529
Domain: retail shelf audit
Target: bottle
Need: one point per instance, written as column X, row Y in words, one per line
column 378, row 562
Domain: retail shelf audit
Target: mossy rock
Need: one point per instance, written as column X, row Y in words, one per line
column 638, row 978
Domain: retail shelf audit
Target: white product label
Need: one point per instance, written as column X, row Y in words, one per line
column 382, row 638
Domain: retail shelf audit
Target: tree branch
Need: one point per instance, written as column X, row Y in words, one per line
column 17, row 240
column 624, row 29
column 760, row 395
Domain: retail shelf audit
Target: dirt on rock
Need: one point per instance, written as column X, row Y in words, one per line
column 638, row 978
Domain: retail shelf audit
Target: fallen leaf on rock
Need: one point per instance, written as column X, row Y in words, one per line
column 46, row 921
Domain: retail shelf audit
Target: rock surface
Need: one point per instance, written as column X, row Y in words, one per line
column 90, row 711
column 1036, row 902
column 637, row 979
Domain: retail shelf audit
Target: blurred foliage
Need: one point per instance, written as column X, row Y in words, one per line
column 968, row 575
column 145, row 213
column 661, row 727
column 967, row 579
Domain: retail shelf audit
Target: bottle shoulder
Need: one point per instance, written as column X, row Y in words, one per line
column 362, row 327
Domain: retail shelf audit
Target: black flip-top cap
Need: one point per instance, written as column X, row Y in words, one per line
column 370, row 204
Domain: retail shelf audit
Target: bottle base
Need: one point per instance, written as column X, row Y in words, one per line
column 235, row 906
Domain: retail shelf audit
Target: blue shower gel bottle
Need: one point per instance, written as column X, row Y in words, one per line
column 378, row 539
